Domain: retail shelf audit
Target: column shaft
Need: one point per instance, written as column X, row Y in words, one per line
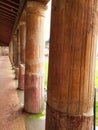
column 22, row 41
column 22, row 51
column 34, row 57
column 71, row 66
column 15, row 57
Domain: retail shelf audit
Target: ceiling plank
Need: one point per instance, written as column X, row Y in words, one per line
column 6, row 19
column 8, row 9
column 13, row 2
column 6, row 16
column 2, row 10
column 8, row 5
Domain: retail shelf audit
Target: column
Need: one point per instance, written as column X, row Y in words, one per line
column 18, row 54
column 22, row 28
column 34, row 98
column 10, row 51
column 71, row 81
column 15, row 58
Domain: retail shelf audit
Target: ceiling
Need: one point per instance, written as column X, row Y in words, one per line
column 10, row 12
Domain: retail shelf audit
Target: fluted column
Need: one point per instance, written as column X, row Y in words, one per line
column 18, row 54
column 34, row 57
column 15, row 58
column 71, row 66
column 11, row 52
column 22, row 28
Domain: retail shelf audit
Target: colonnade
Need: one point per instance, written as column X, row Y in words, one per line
column 71, row 62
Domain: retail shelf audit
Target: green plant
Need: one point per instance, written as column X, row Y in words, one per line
column 96, row 74
column 97, row 113
column 46, row 72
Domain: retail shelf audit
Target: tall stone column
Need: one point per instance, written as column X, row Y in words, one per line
column 18, row 54
column 10, row 52
column 15, row 58
column 71, row 81
column 22, row 28
column 34, row 57
column 18, row 45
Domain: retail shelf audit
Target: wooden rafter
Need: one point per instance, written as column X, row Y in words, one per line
column 8, row 9
column 12, row 2
column 8, row 20
column 9, row 13
column 7, row 16
column 8, row 5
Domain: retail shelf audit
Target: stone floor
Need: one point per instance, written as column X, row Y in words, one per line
column 12, row 116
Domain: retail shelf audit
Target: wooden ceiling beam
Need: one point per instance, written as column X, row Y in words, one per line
column 8, row 9
column 9, row 13
column 7, row 16
column 6, row 19
column 12, row 2
column 10, row 19
column 8, row 5
column 5, row 23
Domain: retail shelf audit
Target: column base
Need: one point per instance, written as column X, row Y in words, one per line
column 56, row 120
column 21, row 76
column 34, row 97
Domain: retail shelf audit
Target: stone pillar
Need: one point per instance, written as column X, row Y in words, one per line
column 10, row 52
column 15, row 58
column 18, row 54
column 71, row 80
column 34, row 57
column 18, row 45
column 22, row 27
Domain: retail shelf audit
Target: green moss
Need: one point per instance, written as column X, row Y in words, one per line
column 36, row 116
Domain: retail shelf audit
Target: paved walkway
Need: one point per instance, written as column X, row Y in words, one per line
column 11, row 117
column 11, row 100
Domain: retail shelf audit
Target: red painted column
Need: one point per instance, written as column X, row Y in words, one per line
column 18, row 54
column 70, row 92
column 15, row 58
column 11, row 52
column 34, row 98
column 22, row 28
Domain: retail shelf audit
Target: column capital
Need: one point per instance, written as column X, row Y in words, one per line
column 36, row 8
column 23, row 17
